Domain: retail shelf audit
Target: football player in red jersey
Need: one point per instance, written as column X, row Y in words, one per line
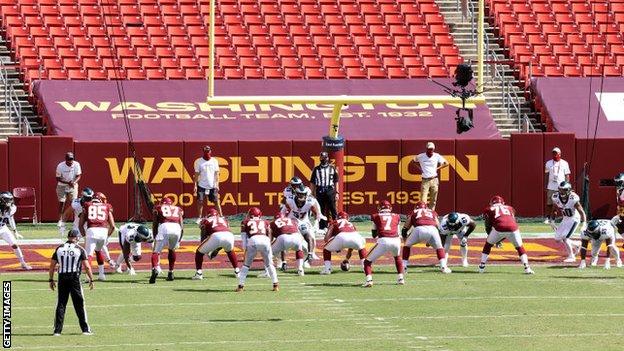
column 386, row 230
column 255, row 233
column 100, row 195
column 342, row 234
column 500, row 223
column 285, row 236
column 217, row 235
column 100, row 225
column 168, row 228
column 425, row 223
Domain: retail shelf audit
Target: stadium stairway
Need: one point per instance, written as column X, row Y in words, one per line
column 495, row 86
column 9, row 69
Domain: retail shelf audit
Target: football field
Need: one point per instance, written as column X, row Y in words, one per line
column 556, row 309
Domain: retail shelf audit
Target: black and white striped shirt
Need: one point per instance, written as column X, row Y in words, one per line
column 69, row 257
column 324, row 177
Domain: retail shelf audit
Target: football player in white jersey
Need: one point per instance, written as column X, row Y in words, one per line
column 8, row 229
column 599, row 231
column 300, row 207
column 289, row 191
column 131, row 235
column 569, row 203
column 459, row 225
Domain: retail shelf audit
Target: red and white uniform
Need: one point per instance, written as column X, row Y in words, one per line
column 257, row 240
column 96, row 220
column 620, row 202
column 218, row 235
column 168, row 218
column 285, row 231
column 388, row 241
column 425, row 223
column 503, row 221
column 344, row 235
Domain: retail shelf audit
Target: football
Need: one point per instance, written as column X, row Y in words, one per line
column 344, row 265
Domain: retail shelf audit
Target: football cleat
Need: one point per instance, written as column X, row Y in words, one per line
column 570, row 259
column 118, row 270
column 87, row 333
column 368, row 284
column 465, row 263
column 158, row 270
column 264, row 274
column 56, row 334
column 528, row 270
column 401, row 281
column 325, row 271
column 594, row 261
column 607, row 264
column 131, row 271
column 198, row 276
column 152, row 279
column 583, row 265
column 26, row 267
column 275, row 286
column 300, row 272
column 101, row 277
column 236, row 272
column 618, row 264
column 445, row 270
column 112, row 264
column 170, row 276
column 283, row 266
column 482, row 268
column 240, row 288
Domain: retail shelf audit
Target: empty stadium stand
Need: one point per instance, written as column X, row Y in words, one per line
column 566, row 38
column 168, row 39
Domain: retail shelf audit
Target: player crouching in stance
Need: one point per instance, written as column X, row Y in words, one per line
column 569, row 203
column 97, row 218
column 255, row 237
column 425, row 223
column 386, row 229
column 169, row 229
column 131, row 235
column 500, row 223
column 285, row 236
column 342, row 234
column 599, row 231
column 217, row 235
column 459, row 225
column 300, row 207
column 7, row 223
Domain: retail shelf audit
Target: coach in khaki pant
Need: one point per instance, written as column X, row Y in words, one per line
column 429, row 163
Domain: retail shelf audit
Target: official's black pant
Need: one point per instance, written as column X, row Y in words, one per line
column 327, row 199
column 69, row 284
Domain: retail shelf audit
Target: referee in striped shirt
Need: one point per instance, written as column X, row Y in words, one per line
column 70, row 258
column 324, row 183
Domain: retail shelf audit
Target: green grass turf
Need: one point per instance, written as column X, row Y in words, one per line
column 50, row 230
column 557, row 309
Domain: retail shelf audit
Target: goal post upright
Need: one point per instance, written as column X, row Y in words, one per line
column 334, row 144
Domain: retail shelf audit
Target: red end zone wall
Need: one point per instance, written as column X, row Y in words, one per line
column 255, row 173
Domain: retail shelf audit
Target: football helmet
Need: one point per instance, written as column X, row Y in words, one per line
column 166, row 201
column 565, row 188
column 87, row 194
column 420, row 204
column 100, row 196
column 6, row 198
column 301, row 194
column 619, row 181
column 592, row 229
column 343, row 215
column 143, row 234
column 211, row 212
column 453, row 220
column 254, row 212
column 296, row 183
column 384, row 205
column 497, row 199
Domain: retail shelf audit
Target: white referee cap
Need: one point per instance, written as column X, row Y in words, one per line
column 557, row 150
column 430, row 145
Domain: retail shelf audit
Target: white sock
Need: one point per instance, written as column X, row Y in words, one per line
column 101, row 269
column 525, row 260
column 300, row 263
column 369, row 277
column 243, row 275
column 20, row 255
column 106, row 253
column 443, row 263
column 568, row 246
column 272, row 273
column 400, row 276
column 484, row 258
column 405, row 263
column 327, row 265
column 199, row 272
column 464, row 252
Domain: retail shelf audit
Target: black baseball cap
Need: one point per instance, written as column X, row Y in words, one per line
column 69, row 156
